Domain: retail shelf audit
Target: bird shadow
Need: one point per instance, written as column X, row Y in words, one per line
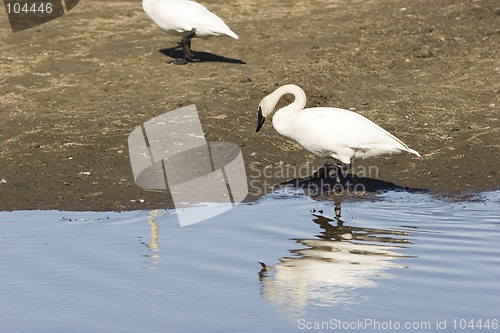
column 176, row 53
column 345, row 184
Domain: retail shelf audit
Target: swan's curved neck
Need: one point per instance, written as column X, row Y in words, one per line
column 282, row 119
column 298, row 103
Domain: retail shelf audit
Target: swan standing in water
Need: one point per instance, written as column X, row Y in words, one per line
column 188, row 19
column 328, row 132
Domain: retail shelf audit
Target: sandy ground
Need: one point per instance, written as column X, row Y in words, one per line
column 71, row 91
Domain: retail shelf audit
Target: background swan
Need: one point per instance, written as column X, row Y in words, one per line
column 328, row 132
column 188, row 19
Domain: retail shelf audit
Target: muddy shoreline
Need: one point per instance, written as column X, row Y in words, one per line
column 72, row 90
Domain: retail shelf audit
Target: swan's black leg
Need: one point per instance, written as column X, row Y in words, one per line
column 325, row 170
column 340, row 170
column 321, row 172
column 185, row 44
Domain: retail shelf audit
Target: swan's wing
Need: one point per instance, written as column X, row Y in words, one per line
column 338, row 129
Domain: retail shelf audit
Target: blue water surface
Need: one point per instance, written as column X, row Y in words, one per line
column 411, row 261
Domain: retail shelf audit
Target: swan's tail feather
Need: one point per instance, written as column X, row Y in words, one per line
column 414, row 152
column 231, row 33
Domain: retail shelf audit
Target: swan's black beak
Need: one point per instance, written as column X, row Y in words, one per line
column 260, row 121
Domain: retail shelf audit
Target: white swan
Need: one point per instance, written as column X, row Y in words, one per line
column 187, row 19
column 328, row 132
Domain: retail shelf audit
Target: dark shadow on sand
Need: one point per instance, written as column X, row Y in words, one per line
column 347, row 184
column 176, row 53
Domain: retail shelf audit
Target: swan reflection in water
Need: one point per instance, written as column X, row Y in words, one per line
column 329, row 269
column 153, row 245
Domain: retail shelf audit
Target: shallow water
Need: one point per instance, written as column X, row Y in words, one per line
column 402, row 260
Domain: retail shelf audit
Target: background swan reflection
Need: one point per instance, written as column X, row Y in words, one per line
column 331, row 268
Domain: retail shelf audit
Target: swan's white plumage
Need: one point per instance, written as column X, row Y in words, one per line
column 330, row 132
column 180, row 17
